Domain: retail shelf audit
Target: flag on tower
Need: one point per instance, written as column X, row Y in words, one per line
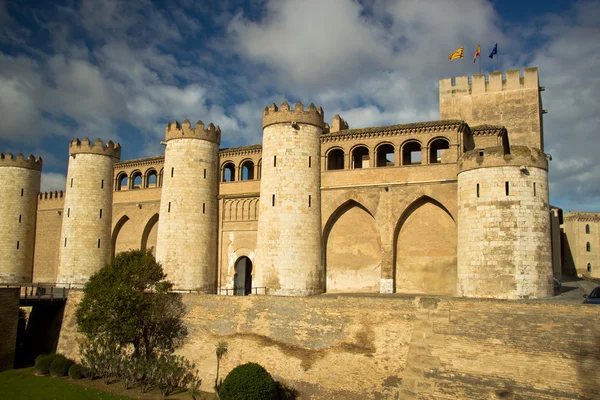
column 460, row 53
column 494, row 51
column 477, row 53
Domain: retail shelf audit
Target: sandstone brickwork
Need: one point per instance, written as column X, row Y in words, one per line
column 504, row 248
column 9, row 319
column 20, row 178
column 47, row 236
column 187, row 229
column 581, row 243
column 289, row 253
column 85, row 245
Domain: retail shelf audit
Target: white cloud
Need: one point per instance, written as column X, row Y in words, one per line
column 52, row 181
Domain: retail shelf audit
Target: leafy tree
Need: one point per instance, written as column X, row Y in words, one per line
column 128, row 303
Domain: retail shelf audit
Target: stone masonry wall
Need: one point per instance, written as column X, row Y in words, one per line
column 391, row 347
column 18, row 204
column 47, row 238
column 85, row 245
column 9, row 319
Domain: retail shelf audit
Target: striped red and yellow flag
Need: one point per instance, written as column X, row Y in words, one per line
column 460, row 53
column 477, row 53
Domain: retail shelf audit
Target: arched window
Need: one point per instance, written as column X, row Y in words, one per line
column 411, row 153
column 589, row 267
column 588, row 247
column 136, row 180
column 335, row 159
column 228, row 172
column 360, row 157
column 587, row 228
column 247, row 170
column 259, row 169
column 385, row 155
column 151, row 178
column 122, row 181
column 160, row 177
column 435, row 150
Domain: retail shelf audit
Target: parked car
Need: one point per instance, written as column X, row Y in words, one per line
column 557, row 284
column 593, row 297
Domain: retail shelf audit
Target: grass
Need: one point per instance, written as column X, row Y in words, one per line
column 24, row 384
column 16, row 384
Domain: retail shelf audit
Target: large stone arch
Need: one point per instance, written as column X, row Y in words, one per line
column 149, row 234
column 117, row 236
column 352, row 250
column 425, row 249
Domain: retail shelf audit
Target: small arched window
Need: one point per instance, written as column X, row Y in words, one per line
column 151, row 178
column 436, row 149
column 587, row 228
column 122, row 181
column 360, row 157
column 335, row 159
column 385, row 155
column 247, row 171
column 589, row 267
column 411, row 153
column 136, row 180
column 228, row 172
column 588, row 247
column 259, row 169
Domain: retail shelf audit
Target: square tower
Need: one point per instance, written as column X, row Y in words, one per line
column 513, row 101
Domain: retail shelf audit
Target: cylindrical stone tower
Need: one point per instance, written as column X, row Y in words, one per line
column 20, row 179
column 504, row 244
column 288, row 258
column 187, row 228
column 85, row 243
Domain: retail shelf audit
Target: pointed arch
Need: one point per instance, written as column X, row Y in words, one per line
column 424, row 249
column 116, row 231
column 149, row 229
column 351, row 250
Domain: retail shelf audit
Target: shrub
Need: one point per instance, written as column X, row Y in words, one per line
column 42, row 363
column 248, row 381
column 76, row 371
column 60, row 365
column 173, row 372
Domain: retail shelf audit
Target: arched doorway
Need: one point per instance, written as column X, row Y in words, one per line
column 242, row 281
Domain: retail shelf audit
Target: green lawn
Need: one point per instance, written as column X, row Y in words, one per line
column 15, row 384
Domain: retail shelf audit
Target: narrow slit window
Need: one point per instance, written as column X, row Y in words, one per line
column 588, row 247
column 65, row 245
column 100, row 213
column 534, row 190
column 71, row 184
column 203, row 208
column 309, row 161
column 169, row 207
column 507, row 188
column 102, row 184
column 172, row 170
column 309, row 200
column 273, row 201
column 20, row 218
column 204, row 173
column 17, row 245
column 98, row 243
column 68, row 212
column 274, row 161
column 587, row 228
column 21, row 192
column 478, row 190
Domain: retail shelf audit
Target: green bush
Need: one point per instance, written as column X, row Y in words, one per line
column 248, row 382
column 42, row 363
column 60, row 365
column 76, row 371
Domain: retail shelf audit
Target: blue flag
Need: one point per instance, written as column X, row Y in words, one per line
column 494, row 51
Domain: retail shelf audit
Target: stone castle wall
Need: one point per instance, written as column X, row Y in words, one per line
column 18, row 203
column 358, row 347
column 513, row 102
column 581, row 229
column 48, row 236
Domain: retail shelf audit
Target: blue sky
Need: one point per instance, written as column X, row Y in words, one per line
column 121, row 70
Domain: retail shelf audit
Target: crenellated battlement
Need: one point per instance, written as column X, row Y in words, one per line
column 56, row 195
column 338, row 124
column 85, row 146
column 174, row 130
column 498, row 157
column 494, row 82
column 283, row 114
column 31, row 162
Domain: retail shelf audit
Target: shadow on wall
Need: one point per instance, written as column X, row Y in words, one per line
column 38, row 333
column 567, row 262
column 588, row 360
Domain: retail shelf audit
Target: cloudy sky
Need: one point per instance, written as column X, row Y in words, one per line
column 121, row 70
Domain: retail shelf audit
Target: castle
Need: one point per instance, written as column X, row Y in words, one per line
column 455, row 207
